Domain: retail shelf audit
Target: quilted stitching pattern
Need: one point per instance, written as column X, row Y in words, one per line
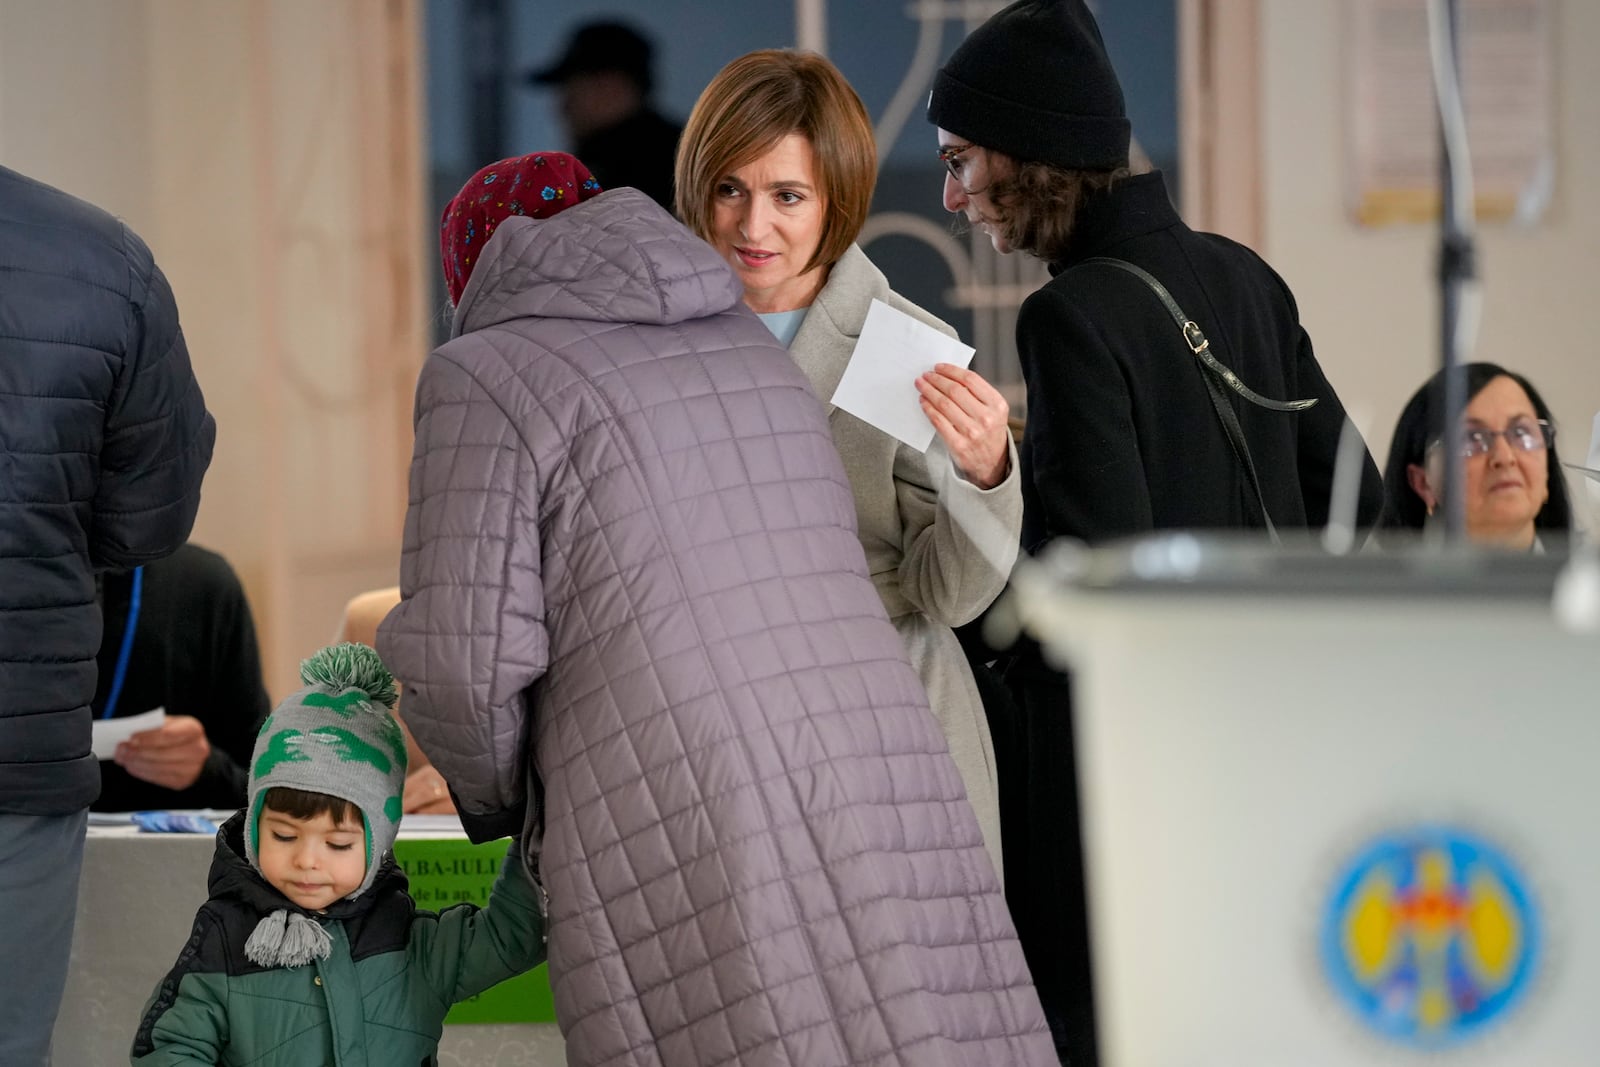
column 104, row 440
column 756, row 845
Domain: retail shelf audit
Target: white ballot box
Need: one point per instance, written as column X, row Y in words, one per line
column 1337, row 811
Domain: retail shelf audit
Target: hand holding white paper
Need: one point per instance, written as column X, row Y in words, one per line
column 880, row 384
column 109, row 733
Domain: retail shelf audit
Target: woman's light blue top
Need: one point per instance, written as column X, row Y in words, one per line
column 784, row 324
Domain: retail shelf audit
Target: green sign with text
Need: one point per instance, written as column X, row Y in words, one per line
column 449, row 872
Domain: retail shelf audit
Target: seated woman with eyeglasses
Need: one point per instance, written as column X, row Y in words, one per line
column 1515, row 495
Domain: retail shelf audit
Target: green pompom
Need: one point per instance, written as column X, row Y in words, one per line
column 350, row 666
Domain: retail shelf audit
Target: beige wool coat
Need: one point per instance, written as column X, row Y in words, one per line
column 917, row 517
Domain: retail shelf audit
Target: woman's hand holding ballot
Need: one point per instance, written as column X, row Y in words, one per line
column 970, row 415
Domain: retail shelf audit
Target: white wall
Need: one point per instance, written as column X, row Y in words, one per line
column 1369, row 296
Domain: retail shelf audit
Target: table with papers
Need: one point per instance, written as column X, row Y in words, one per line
column 136, row 904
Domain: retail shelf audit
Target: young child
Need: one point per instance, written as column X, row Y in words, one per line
column 310, row 950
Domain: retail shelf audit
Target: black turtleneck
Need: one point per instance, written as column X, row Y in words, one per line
column 194, row 653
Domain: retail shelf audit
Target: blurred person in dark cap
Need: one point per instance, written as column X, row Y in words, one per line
column 605, row 80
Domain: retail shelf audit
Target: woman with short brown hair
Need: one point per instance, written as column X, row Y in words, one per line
column 776, row 170
column 751, row 105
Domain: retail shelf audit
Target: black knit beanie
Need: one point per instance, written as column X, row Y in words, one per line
column 1035, row 83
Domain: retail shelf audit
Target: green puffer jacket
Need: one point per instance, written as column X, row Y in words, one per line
column 378, row 1000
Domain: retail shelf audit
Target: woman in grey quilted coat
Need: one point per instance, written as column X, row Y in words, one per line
column 637, row 624
column 776, row 169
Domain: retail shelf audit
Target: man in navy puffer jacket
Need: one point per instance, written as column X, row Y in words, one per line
column 104, row 438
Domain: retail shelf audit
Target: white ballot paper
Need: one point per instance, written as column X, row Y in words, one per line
column 109, row 733
column 880, row 384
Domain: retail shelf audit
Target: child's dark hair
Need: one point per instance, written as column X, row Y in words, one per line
column 304, row 804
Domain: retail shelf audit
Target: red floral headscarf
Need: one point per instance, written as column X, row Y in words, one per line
column 537, row 185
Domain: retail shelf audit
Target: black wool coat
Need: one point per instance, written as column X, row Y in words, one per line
column 1121, row 436
column 1122, row 439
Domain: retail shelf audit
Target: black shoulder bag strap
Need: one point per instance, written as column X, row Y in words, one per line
column 1216, row 375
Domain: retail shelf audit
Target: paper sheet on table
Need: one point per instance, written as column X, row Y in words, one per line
column 880, row 384
column 416, row 825
column 109, row 733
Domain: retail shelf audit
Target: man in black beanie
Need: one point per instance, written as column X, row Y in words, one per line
column 1123, row 435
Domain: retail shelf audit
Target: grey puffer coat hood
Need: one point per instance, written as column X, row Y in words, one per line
column 636, row 618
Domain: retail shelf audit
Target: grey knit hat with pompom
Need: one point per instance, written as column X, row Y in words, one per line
column 336, row 736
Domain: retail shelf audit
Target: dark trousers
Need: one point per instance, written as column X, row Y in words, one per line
column 1039, row 831
column 41, row 857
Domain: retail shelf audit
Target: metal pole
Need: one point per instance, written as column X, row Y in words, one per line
column 1456, row 272
column 811, row 26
